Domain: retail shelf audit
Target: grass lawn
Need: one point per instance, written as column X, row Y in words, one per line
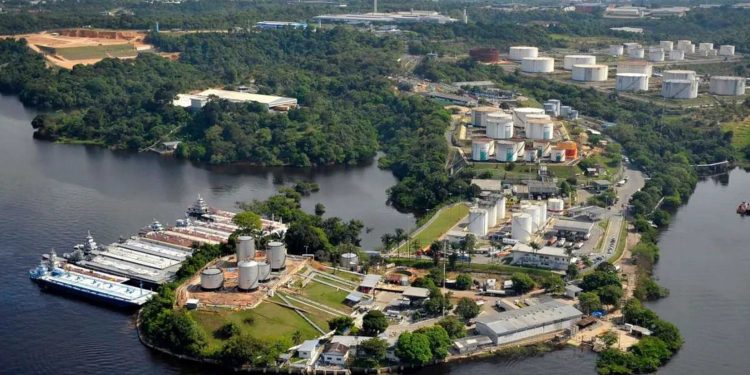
column 326, row 295
column 344, row 275
column 443, row 221
column 741, row 133
column 622, row 242
column 97, row 52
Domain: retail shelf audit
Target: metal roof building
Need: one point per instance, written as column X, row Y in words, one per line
column 369, row 283
column 573, row 226
column 414, row 292
column 511, row 326
column 201, row 98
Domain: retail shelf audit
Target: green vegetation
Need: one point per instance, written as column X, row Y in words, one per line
column 326, row 295
column 341, row 324
column 97, row 52
column 443, row 221
column 522, row 283
column 371, row 353
column 374, row 323
column 423, row 346
column 454, row 327
column 740, row 133
column 467, row 309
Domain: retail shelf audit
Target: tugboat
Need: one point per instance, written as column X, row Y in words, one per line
column 199, row 208
column 743, row 209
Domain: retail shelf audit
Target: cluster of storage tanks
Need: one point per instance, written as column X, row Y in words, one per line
column 679, row 84
column 249, row 272
column 669, row 51
column 532, row 218
column 487, row 214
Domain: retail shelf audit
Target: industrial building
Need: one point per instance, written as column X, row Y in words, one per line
column 197, row 101
column 275, row 25
column 580, row 228
column 515, row 325
column 554, row 258
column 413, row 16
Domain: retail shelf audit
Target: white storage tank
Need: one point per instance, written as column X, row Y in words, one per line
column 245, row 248
column 570, row 60
column 507, row 151
column 679, row 89
column 634, row 66
column 521, row 227
column 555, row 205
column 678, row 74
column 636, row 53
column 499, row 125
column 542, row 213
column 248, row 275
column 616, row 49
column 705, row 46
column 533, row 211
column 500, row 208
column 491, row 213
column 656, row 55
column 540, row 129
column 538, row 65
column 519, row 115
column 276, row 255
column 212, row 279
column 478, row 222
column 557, row 155
column 676, row 55
column 631, row 82
column 726, row 50
column 521, row 52
column 731, row 86
column 685, row 45
column 479, row 115
column 264, row 272
column 349, row 260
column 481, row 149
column 590, row 73
column 666, row 45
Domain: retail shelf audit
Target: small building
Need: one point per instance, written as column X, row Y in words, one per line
column 554, row 258
column 415, row 294
column 167, row 147
column 565, row 227
column 543, row 189
column 471, row 343
column 528, row 322
column 353, row 298
column 601, row 185
column 275, row 25
column 191, row 303
column 369, row 283
column 336, row 354
column 492, row 186
column 453, row 99
column 309, row 349
column 572, row 291
column 637, row 331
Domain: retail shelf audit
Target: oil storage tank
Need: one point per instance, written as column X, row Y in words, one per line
column 479, row 115
column 276, row 254
column 676, row 55
column 248, row 275
column 536, row 218
column 538, row 65
column 521, row 227
column 489, row 206
column 726, row 50
column 678, row 74
column 555, row 205
column 656, row 54
column 616, row 49
column 540, row 129
column 245, row 248
column 636, row 53
column 488, row 55
column 500, row 208
column 521, row 52
column 349, row 260
column 482, row 148
column 730, row 86
column 264, row 272
column 666, row 45
column 634, row 66
column 590, row 72
column 570, row 60
column 705, row 46
column 499, row 125
column 508, row 150
column 519, row 115
column 631, row 82
column 478, row 222
column 212, row 279
column 679, row 89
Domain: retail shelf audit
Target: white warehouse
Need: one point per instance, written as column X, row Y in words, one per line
column 515, row 325
column 554, row 258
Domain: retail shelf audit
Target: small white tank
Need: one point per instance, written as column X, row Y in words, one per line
column 349, row 260
column 557, row 155
column 245, row 248
column 705, row 46
column 542, row 213
column 521, row 227
column 676, row 55
column 481, row 149
column 500, row 208
column 555, row 205
column 276, row 255
column 520, row 52
column 264, row 272
column 679, row 89
column 678, row 74
column 730, row 86
column 248, row 275
column 666, row 45
column 636, row 53
column 533, row 211
column 212, row 279
column 634, row 66
column 616, row 49
column 506, row 151
column 631, row 82
column 656, row 55
column 726, row 50
column 570, row 60
column 479, row 115
column 478, row 222
column 499, row 125
column 590, row 73
column 538, row 65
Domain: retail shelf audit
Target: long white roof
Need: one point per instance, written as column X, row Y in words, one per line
column 512, row 321
column 183, row 100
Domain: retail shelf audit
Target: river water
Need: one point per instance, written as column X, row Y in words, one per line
column 51, row 194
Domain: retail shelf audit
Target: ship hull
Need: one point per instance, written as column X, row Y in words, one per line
column 85, row 295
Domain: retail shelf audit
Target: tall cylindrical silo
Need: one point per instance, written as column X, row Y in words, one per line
column 248, row 275
column 500, row 207
column 478, row 222
column 276, row 255
column 521, row 227
column 245, row 248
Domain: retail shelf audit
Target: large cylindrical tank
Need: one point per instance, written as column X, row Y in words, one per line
column 478, row 222
column 481, row 149
column 521, row 227
column 678, row 74
column 571, row 149
column 555, row 205
column 540, row 129
column 248, row 275
column 631, row 82
column 656, row 54
column 533, row 211
column 264, row 272
column 537, row 118
column 349, row 260
column 519, row 115
column 726, row 50
column 487, row 55
column 212, row 279
column 590, row 73
column 489, row 206
column 705, row 46
column 557, row 155
column 732, row 86
column 521, row 52
column 666, row 45
column 506, row 151
column 500, row 208
column 245, row 248
column 570, row 60
column 276, row 254
column 634, row 66
column 542, row 213
column 499, row 125
column 538, row 65
column 686, row 46
column 679, row 89
column 636, row 53
column 676, row 55
column 616, row 49
column 479, row 115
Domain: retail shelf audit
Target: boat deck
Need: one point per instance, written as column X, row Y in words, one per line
column 101, row 287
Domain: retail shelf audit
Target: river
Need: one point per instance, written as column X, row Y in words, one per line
column 51, row 194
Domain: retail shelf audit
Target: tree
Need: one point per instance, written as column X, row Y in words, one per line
column 610, row 294
column 610, row 338
column 239, row 350
column 598, row 279
column 463, row 282
column 467, row 309
column 435, row 248
column 468, row 243
column 437, row 303
column 413, row 348
column 452, row 260
column 297, row 337
column 455, row 328
column 572, row 272
column 439, row 340
column 589, row 302
column 553, row 284
column 340, row 324
column 371, row 352
column 320, row 209
column 387, row 240
column 374, row 323
column 522, row 283
column 668, row 333
column 227, row 331
column 248, row 221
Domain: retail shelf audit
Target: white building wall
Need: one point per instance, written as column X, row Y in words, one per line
column 526, row 334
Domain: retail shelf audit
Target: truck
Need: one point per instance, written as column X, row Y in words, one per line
column 561, row 242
